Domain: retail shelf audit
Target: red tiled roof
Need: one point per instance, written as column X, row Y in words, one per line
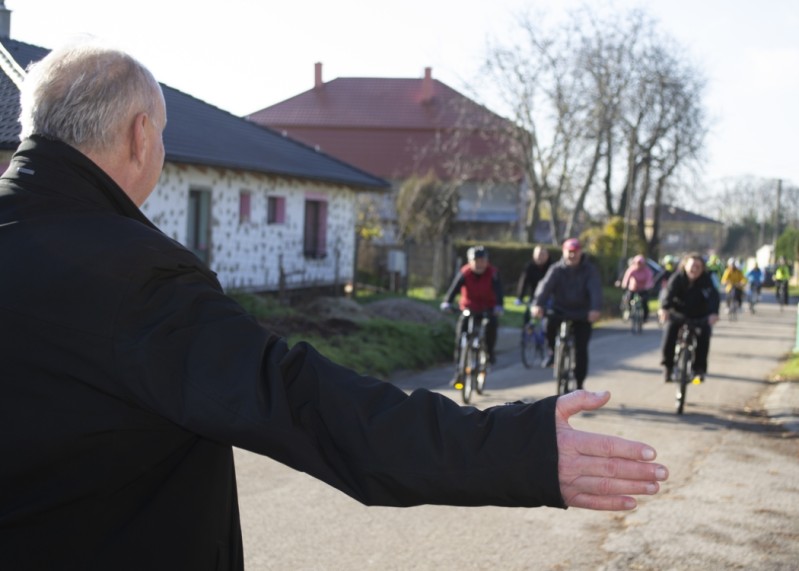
column 379, row 124
column 373, row 103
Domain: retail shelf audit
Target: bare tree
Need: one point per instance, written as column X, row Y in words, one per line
column 426, row 212
column 606, row 105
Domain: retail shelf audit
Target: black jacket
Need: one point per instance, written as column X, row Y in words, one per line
column 128, row 375
column 530, row 277
column 699, row 299
column 573, row 290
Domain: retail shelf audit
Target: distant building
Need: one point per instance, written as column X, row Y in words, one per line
column 682, row 231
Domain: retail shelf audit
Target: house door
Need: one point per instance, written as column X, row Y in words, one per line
column 199, row 231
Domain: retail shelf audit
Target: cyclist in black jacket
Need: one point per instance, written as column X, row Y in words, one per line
column 690, row 293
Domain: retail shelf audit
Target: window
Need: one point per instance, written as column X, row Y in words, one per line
column 245, row 207
column 199, row 229
column 315, row 241
column 276, row 210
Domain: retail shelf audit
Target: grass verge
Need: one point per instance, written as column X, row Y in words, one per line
column 789, row 370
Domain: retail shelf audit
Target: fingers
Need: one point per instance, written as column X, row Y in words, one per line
column 607, row 493
column 612, row 491
column 603, row 503
column 617, row 468
column 605, row 446
column 579, row 401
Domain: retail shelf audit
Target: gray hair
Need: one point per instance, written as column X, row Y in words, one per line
column 84, row 95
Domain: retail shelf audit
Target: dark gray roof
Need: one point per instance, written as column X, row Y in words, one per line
column 200, row 134
column 671, row 213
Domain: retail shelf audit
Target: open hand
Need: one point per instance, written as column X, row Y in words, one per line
column 598, row 471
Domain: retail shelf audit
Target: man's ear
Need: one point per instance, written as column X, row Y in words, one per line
column 138, row 138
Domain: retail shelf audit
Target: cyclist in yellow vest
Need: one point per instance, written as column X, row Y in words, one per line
column 733, row 281
column 781, row 276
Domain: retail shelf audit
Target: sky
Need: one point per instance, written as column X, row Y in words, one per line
column 244, row 55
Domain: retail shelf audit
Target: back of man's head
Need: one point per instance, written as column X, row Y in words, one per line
column 84, row 94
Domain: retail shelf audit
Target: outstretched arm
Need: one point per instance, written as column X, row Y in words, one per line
column 598, row 471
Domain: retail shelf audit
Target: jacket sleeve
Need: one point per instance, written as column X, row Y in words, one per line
column 521, row 285
column 594, row 289
column 192, row 356
column 498, row 291
column 667, row 300
column 544, row 288
column 454, row 287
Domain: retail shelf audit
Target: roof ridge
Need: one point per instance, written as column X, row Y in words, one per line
column 12, row 69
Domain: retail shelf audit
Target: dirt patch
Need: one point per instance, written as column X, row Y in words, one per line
column 405, row 310
column 331, row 316
column 295, row 325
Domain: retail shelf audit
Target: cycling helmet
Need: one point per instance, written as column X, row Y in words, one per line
column 732, row 262
column 476, row 252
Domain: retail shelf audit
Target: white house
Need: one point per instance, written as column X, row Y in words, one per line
column 265, row 212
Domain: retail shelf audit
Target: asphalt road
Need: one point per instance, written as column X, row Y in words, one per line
column 732, row 501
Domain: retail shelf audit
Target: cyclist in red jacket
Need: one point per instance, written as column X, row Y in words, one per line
column 480, row 290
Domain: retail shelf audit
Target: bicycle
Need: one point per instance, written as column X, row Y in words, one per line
column 684, row 354
column 734, row 303
column 754, row 296
column 781, row 291
column 636, row 313
column 473, row 354
column 565, row 360
column 533, row 342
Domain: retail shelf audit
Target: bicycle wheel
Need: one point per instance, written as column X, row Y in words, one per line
column 637, row 317
column 528, row 345
column 782, row 294
column 563, row 368
column 685, row 373
column 482, row 369
column 540, row 353
column 469, row 374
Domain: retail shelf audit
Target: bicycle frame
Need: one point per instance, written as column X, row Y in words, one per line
column 473, row 353
column 684, row 355
column 565, row 359
column 636, row 312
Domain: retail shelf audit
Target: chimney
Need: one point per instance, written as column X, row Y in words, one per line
column 5, row 21
column 317, row 75
column 427, row 84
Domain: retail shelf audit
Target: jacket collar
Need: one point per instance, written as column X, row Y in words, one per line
column 54, row 168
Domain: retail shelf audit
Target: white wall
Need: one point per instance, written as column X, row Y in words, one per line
column 248, row 256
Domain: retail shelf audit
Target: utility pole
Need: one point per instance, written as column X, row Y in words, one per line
column 777, row 213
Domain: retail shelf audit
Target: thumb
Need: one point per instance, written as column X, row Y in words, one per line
column 579, row 401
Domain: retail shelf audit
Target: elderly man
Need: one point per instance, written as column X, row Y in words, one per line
column 574, row 288
column 128, row 375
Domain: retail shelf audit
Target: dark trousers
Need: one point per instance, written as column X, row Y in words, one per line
column 491, row 336
column 669, row 340
column 582, row 335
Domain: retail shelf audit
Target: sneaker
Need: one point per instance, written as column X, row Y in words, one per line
column 453, row 382
column 550, row 360
column 667, row 376
column 698, row 378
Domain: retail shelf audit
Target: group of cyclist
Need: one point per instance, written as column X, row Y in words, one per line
column 571, row 289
